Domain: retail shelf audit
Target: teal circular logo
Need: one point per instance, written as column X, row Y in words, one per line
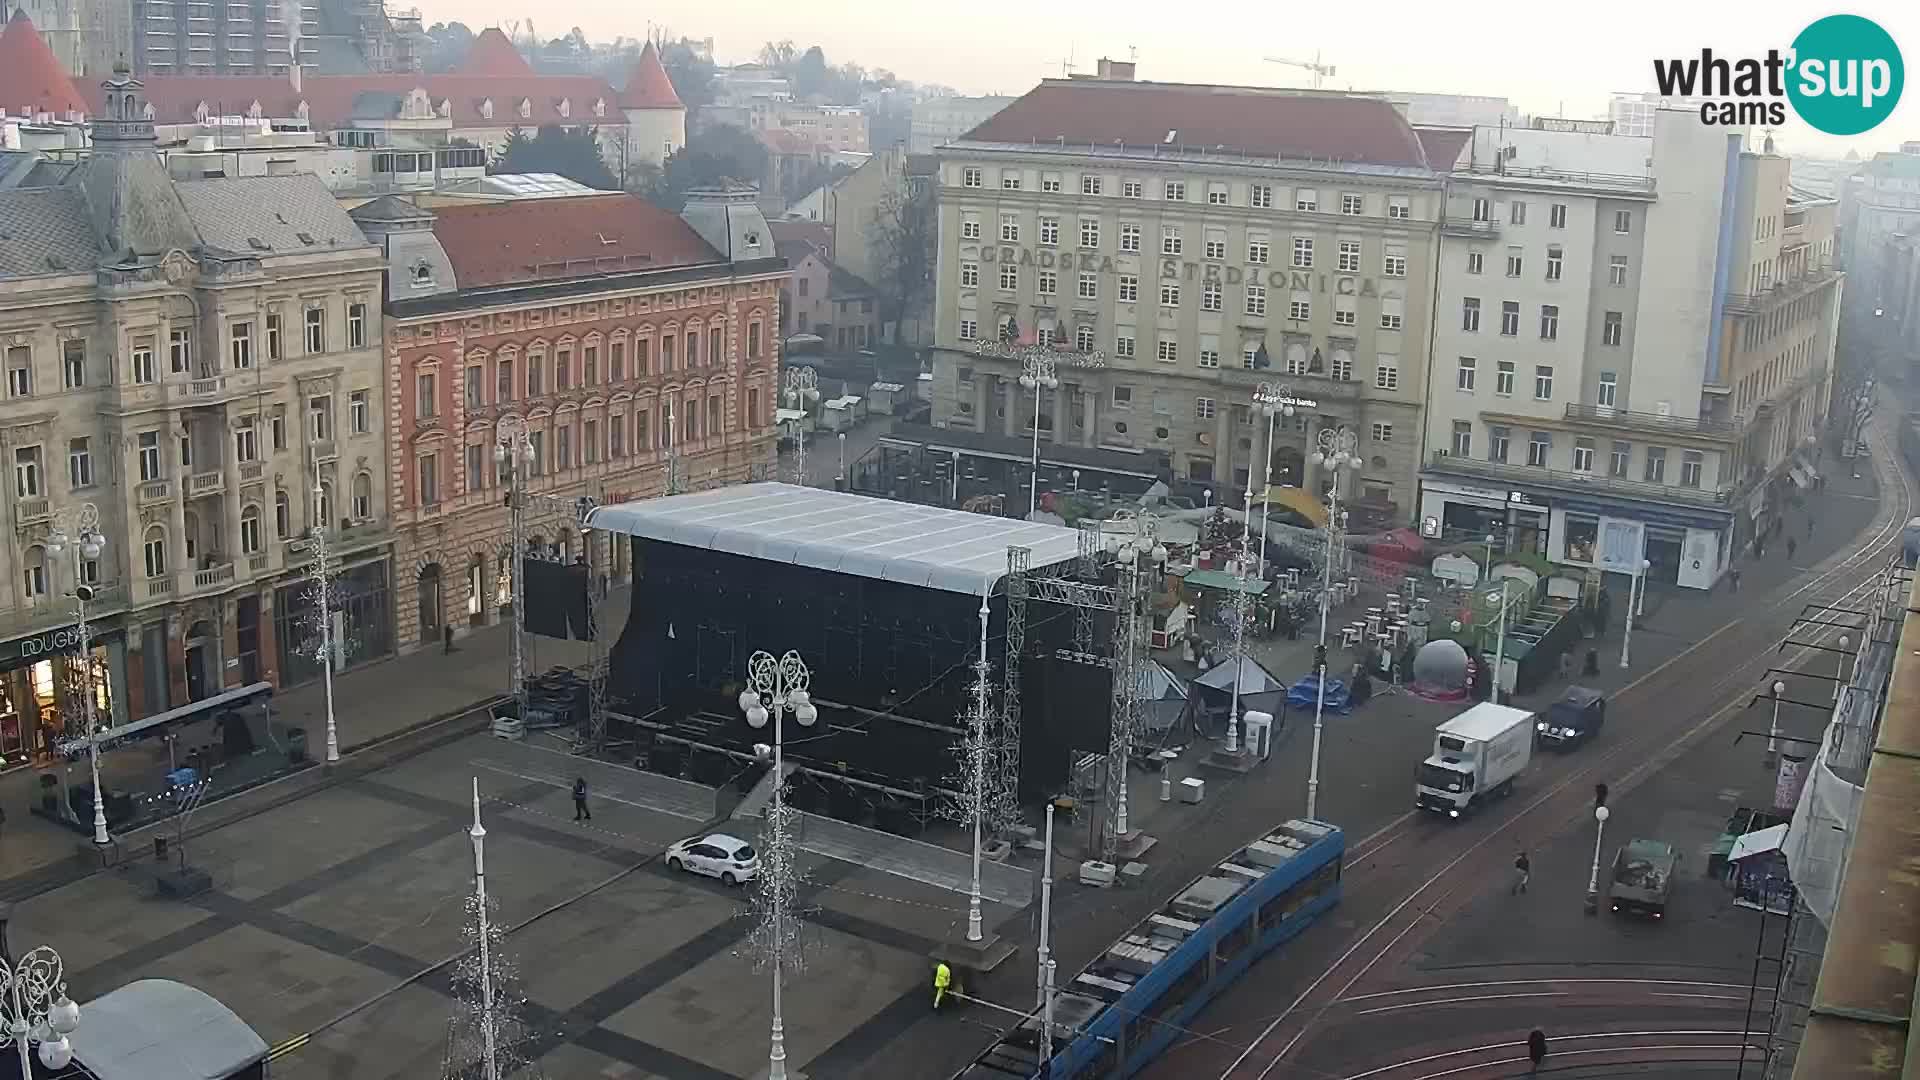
column 1846, row 75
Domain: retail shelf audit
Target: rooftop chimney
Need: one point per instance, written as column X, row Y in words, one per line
column 1115, row 70
column 293, row 68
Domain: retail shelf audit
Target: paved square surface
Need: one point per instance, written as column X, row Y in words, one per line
column 333, row 918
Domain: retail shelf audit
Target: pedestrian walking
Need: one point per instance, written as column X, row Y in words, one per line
column 942, row 978
column 446, row 636
column 1809, row 527
column 1792, row 545
column 1522, row 873
column 580, row 811
column 1536, row 1048
column 1734, row 576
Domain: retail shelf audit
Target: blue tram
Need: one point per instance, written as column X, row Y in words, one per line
column 1143, row 992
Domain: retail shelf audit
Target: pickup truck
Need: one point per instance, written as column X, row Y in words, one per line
column 1642, row 878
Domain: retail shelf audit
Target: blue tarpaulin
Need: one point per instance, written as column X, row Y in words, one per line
column 1305, row 693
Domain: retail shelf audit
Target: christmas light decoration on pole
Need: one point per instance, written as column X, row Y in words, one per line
column 967, row 800
column 1273, row 401
column 33, row 996
column 803, row 385
column 1338, row 449
column 86, row 543
column 319, row 595
column 1128, row 671
column 513, row 448
column 773, row 688
column 487, row 1026
column 1242, row 614
column 1038, row 374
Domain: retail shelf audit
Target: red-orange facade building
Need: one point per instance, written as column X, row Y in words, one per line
column 632, row 342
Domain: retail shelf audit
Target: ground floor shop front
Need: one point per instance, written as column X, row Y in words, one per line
column 1689, row 547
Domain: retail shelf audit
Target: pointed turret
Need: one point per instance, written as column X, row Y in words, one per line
column 648, row 86
column 493, row 54
column 31, row 77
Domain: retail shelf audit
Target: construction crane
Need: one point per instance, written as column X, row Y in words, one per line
column 1320, row 70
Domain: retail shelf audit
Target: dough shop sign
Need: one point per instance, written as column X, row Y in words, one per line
column 1175, row 270
column 46, row 643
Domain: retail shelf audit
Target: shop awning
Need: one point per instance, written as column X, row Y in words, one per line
column 1220, row 579
column 1768, row 839
column 1298, row 500
column 226, row 699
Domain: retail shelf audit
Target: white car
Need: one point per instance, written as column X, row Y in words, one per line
column 728, row 858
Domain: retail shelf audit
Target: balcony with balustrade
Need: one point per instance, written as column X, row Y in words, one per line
column 1782, row 292
column 1658, row 423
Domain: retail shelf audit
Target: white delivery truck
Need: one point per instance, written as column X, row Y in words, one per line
column 1476, row 755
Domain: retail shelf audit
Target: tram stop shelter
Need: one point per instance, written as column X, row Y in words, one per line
column 158, row 1029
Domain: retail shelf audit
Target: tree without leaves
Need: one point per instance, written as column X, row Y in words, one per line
column 690, row 73
column 902, row 237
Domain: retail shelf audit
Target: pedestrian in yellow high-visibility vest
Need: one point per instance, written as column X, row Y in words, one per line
column 942, row 978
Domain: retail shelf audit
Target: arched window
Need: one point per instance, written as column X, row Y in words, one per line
column 324, row 503
column 33, row 572
column 282, row 515
column 363, row 497
column 429, row 598
column 155, row 549
column 477, row 588
column 250, row 540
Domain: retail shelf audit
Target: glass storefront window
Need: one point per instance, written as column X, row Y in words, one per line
column 1583, row 537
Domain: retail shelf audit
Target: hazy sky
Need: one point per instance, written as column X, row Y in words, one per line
column 1559, row 59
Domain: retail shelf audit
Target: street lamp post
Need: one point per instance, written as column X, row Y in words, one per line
column 1635, row 587
column 803, row 385
column 1500, row 641
column 86, row 543
column 1338, row 448
column 38, row 1009
column 513, row 448
column 977, row 764
column 1773, row 726
column 1274, row 401
column 1600, row 815
column 1038, row 374
column 840, row 478
column 489, row 1033
column 774, row 687
column 1489, row 555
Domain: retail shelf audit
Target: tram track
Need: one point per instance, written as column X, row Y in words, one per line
column 1445, row 885
column 1578, row 1051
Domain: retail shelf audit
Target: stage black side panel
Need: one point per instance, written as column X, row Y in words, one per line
column 697, row 615
column 556, row 597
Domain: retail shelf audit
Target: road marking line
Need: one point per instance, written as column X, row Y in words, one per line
column 1535, row 982
column 1556, row 1038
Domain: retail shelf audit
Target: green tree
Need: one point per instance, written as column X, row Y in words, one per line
column 720, row 153
column 571, row 152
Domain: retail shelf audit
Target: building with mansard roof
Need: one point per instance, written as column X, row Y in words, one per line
column 198, row 362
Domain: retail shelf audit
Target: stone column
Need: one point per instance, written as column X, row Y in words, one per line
column 1010, row 396
column 980, row 404
column 182, row 476
column 1223, row 440
column 1062, row 413
column 230, row 502
column 1090, row 400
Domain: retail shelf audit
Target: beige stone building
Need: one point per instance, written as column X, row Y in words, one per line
column 199, row 362
column 1175, row 245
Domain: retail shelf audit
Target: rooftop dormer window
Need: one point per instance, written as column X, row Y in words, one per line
column 486, row 109
column 526, row 109
column 600, row 107
column 564, row 108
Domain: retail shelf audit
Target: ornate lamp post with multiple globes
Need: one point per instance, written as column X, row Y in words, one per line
column 773, row 688
column 1338, row 449
column 86, row 543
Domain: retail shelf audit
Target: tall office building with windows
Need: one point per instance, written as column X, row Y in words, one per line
column 1632, row 345
column 1173, row 245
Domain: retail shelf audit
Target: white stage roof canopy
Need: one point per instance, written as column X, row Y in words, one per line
column 934, row 548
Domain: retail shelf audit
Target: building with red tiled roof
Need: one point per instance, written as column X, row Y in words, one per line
column 656, row 118
column 494, row 54
column 1172, row 245
column 418, row 110
column 629, row 342
column 32, row 82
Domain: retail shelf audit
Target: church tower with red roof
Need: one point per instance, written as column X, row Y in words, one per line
column 656, row 118
column 33, row 85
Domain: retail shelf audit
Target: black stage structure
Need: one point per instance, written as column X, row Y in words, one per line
column 882, row 600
